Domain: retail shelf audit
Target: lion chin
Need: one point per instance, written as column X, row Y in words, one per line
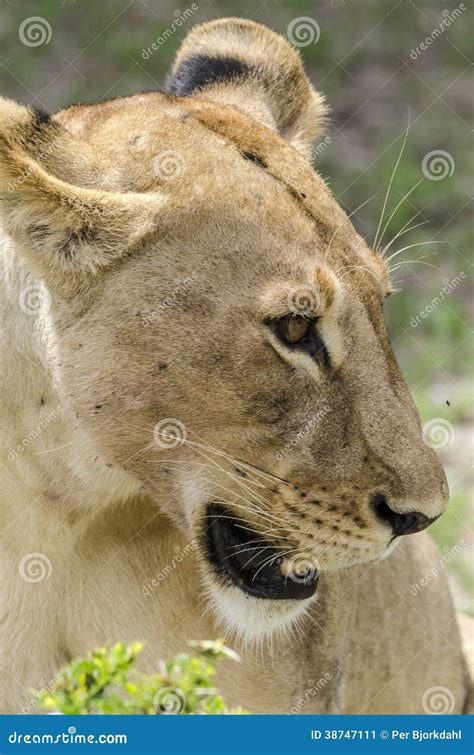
column 249, row 620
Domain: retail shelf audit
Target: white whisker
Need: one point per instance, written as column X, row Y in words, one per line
column 405, row 196
column 410, row 246
column 376, row 239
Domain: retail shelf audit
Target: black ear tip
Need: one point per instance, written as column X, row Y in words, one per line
column 40, row 116
column 200, row 71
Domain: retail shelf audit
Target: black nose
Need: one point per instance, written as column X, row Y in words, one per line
column 402, row 524
column 246, row 560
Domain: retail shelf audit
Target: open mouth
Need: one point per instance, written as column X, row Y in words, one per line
column 242, row 557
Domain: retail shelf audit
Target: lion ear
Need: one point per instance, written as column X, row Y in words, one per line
column 63, row 228
column 241, row 63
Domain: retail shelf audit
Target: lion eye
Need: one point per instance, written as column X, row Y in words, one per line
column 301, row 333
column 292, row 330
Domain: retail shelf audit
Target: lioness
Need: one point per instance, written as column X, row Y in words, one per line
column 204, row 428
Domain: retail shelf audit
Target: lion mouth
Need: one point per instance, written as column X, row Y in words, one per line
column 242, row 557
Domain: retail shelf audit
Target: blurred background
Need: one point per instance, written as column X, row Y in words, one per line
column 388, row 70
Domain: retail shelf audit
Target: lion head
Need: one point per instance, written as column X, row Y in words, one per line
column 214, row 323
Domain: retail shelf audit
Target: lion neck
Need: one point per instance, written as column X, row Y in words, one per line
column 53, row 476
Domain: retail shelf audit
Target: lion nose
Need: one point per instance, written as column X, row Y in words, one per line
column 406, row 523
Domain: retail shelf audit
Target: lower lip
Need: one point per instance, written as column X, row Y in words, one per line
column 266, row 582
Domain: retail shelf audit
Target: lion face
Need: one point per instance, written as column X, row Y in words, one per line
column 219, row 335
column 260, row 404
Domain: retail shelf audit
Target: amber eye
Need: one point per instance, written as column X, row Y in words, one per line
column 301, row 334
column 292, row 330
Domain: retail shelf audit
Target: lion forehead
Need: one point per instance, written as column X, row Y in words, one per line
column 209, row 159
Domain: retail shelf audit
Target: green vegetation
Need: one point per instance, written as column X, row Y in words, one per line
column 106, row 681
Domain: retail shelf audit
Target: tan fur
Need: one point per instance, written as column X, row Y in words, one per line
column 93, row 220
column 276, row 92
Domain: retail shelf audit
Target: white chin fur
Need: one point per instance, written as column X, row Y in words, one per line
column 252, row 619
